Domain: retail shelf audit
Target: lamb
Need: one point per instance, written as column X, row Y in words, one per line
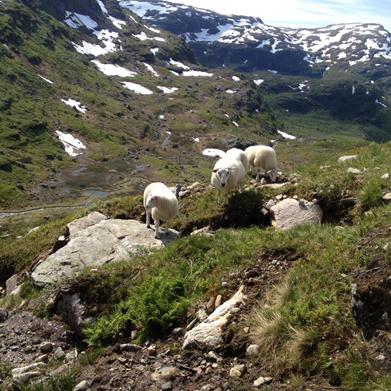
column 262, row 157
column 160, row 203
column 227, row 176
column 238, row 154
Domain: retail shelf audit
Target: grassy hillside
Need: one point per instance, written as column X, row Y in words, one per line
column 303, row 323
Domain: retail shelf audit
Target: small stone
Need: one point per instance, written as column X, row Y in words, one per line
column 82, row 386
column 29, row 368
column 252, row 350
column 46, row 347
column 344, row 159
column 279, row 197
column 210, row 306
column 354, row 171
column 133, row 334
column 129, row 347
column 177, row 330
column 387, row 197
column 3, row 315
column 218, row 301
column 380, row 357
column 71, row 356
column 24, row 377
column 262, row 380
column 237, row 371
column 152, row 350
column 165, row 374
column 224, row 284
column 385, row 176
column 213, row 355
column 246, row 329
column 167, row 386
column 59, row 354
column 42, row 358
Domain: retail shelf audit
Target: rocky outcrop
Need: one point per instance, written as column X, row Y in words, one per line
column 96, row 241
column 291, row 212
column 209, row 333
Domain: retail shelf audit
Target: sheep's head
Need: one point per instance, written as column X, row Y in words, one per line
column 152, row 201
column 223, row 175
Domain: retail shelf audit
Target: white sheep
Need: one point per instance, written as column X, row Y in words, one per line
column 238, row 154
column 227, row 176
column 160, row 203
column 262, row 157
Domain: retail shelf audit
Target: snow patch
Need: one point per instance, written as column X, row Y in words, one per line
column 44, row 78
column 286, row 135
column 235, row 123
column 197, row 74
column 150, row 69
column 74, row 103
column 154, row 51
column 258, row 82
column 144, row 37
column 156, row 31
column 113, row 70
column 102, row 6
column 196, row 139
column 167, row 90
column 235, row 78
column 106, row 37
column 72, row 145
column 179, row 64
column 230, row 91
column 137, row 88
column 117, row 22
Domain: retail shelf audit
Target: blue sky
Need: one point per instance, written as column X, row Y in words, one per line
column 304, row 13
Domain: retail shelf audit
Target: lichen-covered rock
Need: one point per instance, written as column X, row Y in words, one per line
column 209, row 333
column 347, row 158
column 290, row 213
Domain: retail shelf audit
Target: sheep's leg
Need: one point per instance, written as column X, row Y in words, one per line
column 157, row 226
column 148, row 222
column 258, row 175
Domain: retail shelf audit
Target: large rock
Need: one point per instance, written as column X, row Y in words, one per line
column 209, row 333
column 93, row 245
column 290, row 213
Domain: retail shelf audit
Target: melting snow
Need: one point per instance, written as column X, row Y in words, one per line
column 286, row 135
column 150, row 69
column 230, row 91
column 106, row 37
column 73, row 146
column 114, row 70
column 235, row 123
column 144, row 37
column 140, row 8
column 44, row 78
column 75, row 20
column 272, row 71
column 178, row 64
column 167, row 90
column 380, row 103
column 259, row 82
column 137, row 88
column 156, row 31
column 196, row 139
column 117, row 22
column 197, row 73
column 154, row 51
column 102, row 6
column 235, row 78
column 74, row 103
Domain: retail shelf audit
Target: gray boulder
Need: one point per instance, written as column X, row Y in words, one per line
column 94, row 245
column 290, row 213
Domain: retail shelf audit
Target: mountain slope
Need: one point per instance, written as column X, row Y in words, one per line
column 109, row 86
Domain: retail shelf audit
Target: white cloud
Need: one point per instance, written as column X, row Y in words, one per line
column 303, row 13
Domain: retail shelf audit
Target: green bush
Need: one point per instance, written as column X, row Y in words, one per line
column 371, row 194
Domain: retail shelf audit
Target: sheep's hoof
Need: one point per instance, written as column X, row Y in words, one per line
column 148, row 226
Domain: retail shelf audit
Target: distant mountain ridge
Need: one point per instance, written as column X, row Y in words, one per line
column 247, row 44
